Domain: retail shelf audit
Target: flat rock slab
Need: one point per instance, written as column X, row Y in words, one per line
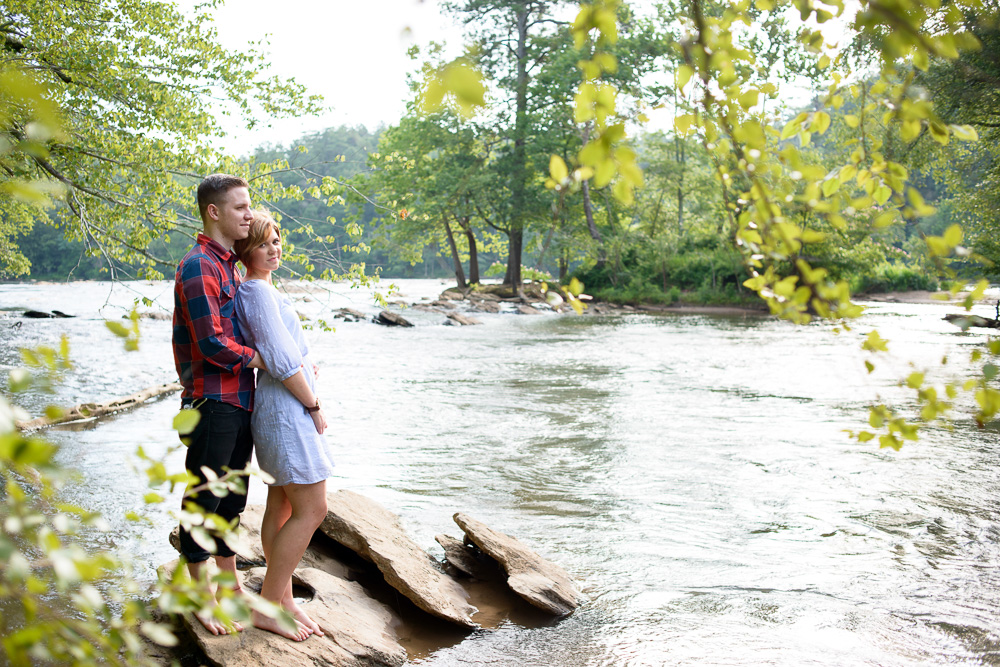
column 364, row 526
column 358, row 630
column 539, row 581
column 528, row 310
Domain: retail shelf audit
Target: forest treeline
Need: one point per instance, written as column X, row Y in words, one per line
column 441, row 194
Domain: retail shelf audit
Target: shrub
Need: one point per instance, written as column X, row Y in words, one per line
column 894, row 278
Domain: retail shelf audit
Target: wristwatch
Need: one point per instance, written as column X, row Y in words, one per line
column 314, row 408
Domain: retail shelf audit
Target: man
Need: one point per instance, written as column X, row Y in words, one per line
column 213, row 364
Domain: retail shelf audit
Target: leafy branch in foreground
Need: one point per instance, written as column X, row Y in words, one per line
column 781, row 197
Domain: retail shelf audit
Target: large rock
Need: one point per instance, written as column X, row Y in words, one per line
column 359, row 630
column 528, row 310
column 374, row 533
column 393, row 319
column 541, row 582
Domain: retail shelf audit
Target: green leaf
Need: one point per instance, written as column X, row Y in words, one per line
column 749, row 98
column 965, row 132
column 953, row 235
column 117, row 328
column 682, row 75
column 557, row 169
column 186, row 420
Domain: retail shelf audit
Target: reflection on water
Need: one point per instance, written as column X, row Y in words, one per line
column 691, row 471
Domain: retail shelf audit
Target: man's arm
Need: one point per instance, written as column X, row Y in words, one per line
column 202, row 296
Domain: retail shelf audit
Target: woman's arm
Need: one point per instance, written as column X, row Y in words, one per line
column 258, row 312
column 299, row 386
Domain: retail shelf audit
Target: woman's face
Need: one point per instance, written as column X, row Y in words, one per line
column 267, row 256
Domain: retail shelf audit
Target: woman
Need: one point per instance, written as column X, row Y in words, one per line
column 287, row 423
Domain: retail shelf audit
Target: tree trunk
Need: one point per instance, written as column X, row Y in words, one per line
column 519, row 171
column 514, row 246
column 473, row 254
column 680, row 187
column 563, row 268
column 459, row 273
column 545, row 248
column 87, row 411
column 595, row 233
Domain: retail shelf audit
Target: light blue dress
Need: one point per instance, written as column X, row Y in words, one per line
column 285, row 438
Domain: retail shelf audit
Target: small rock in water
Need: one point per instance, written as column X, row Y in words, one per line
column 351, row 315
column 464, row 320
column 393, row 319
column 467, row 559
column 452, row 294
column 528, row 310
column 539, row 581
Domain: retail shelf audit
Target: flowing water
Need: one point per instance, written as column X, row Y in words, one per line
column 690, row 471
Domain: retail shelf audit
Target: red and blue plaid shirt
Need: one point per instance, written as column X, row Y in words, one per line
column 208, row 348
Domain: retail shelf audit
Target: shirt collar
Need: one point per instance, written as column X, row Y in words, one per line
column 216, row 248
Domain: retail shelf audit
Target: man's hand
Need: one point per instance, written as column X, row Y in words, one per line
column 257, row 362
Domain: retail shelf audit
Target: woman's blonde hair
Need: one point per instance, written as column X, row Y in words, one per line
column 260, row 229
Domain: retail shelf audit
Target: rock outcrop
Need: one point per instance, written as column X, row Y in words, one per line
column 358, row 630
column 539, row 581
column 367, row 528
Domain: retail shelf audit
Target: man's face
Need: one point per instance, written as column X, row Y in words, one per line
column 232, row 216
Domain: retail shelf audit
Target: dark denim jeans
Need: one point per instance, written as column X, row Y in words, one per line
column 222, row 439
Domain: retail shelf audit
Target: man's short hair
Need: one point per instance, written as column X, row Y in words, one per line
column 213, row 189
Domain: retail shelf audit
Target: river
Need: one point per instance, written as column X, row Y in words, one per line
column 690, row 471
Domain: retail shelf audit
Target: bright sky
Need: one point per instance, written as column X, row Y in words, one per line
column 352, row 52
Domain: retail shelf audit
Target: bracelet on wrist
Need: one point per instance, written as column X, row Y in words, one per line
column 314, row 408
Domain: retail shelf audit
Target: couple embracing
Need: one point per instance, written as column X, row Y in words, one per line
column 225, row 326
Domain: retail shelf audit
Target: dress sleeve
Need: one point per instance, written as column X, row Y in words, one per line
column 260, row 311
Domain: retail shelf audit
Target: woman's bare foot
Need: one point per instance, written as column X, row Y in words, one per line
column 271, row 625
column 303, row 618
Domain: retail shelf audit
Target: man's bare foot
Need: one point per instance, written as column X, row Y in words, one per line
column 215, row 626
column 271, row 625
column 303, row 618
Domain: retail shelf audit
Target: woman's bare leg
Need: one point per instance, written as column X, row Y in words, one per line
column 276, row 513
column 284, row 551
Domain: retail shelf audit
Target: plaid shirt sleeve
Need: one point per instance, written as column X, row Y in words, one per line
column 201, row 287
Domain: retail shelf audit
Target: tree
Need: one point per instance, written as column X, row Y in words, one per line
column 142, row 89
column 511, row 38
column 433, row 170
